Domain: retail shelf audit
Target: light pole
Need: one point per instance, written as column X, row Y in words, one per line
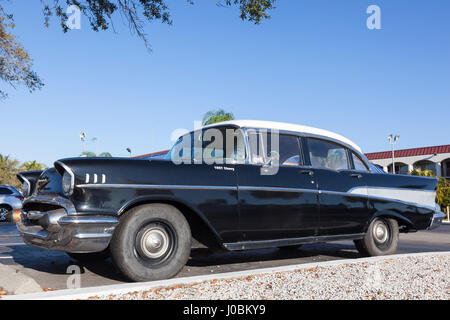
column 83, row 138
column 129, row 150
column 393, row 140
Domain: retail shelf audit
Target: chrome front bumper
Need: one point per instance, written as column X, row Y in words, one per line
column 56, row 230
column 436, row 221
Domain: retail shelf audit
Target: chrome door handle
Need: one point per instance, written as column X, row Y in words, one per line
column 356, row 175
column 308, row 172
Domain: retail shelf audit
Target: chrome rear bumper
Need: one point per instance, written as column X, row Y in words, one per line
column 56, row 230
column 436, row 221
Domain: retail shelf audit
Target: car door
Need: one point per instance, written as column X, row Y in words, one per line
column 343, row 200
column 212, row 169
column 280, row 205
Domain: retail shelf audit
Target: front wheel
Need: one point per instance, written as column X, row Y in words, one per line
column 381, row 238
column 151, row 242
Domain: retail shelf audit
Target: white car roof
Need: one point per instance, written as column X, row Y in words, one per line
column 282, row 126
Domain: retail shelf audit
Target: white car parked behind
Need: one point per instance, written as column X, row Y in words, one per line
column 10, row 199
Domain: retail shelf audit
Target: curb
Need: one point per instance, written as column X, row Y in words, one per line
column 14, row 282
column 85, row 293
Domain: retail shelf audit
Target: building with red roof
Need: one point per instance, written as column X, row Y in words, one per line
column 436, row 159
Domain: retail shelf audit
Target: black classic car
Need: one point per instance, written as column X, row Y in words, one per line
column 234, row 185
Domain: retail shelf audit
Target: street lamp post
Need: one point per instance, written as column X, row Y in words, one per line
column 83, row 138
column 393, row 140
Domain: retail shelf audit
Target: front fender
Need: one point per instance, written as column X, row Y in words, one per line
column 169, row 200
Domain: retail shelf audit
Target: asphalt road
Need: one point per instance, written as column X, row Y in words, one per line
column 50, row 268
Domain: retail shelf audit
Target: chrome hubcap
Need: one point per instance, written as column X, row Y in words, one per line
column 155, row 242
column 380, row 232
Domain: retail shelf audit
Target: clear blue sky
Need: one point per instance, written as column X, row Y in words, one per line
column 313, row 63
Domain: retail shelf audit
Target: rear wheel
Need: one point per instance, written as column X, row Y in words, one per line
column 151, row 242
column 381, row 238
column 91, row 256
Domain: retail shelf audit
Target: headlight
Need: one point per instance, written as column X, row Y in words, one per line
column 67, row 183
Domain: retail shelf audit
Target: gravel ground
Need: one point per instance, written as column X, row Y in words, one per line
column 425, row 277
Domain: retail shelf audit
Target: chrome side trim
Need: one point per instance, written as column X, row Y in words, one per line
column 154, row 186
column 345, row 194
column 278, row 189
column 247, row 188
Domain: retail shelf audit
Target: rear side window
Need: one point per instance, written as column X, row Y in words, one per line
column 326, row 154
column 5, row 191
column 358, row 163
column 262, row 144
column 289, row 151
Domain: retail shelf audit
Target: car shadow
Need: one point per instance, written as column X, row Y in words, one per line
column 304, row 254
column 57, row 263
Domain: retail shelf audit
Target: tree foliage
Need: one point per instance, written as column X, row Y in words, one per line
column 138, row 12
column 32, row 166
column 10, row 167
column 443, row 187
column 216, row 116
column 8, row 171
column 15, row 62
column 90, row 154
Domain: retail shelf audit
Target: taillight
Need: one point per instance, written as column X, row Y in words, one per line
column 20, row 198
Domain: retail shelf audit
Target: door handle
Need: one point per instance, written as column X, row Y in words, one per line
column 308, row 172
column 356, row 175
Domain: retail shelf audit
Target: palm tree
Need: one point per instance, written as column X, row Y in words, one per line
column 32, row 166
column 215, row 116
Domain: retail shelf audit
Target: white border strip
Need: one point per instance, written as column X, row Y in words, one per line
column 85, row 293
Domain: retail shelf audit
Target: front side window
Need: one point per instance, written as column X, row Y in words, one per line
column 359, row 164
column 326, row 154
